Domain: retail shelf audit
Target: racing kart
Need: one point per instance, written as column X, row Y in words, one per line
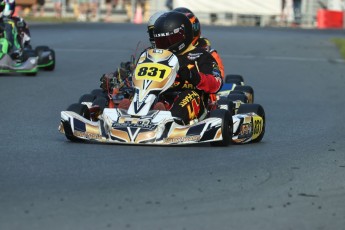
column 42, row 57
column 155, row 72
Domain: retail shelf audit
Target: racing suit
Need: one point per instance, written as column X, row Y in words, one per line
column 206, row 44
column 198, row 77
column 10, row 33
column 16, row 30
column 23, row 31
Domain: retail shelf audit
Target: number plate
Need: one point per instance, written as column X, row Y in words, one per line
column 152, row 71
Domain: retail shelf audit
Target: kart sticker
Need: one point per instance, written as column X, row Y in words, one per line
column 152, row 71
column 257, row 126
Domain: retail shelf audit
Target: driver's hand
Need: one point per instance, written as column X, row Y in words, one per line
column 107, row 81
column 190, row 75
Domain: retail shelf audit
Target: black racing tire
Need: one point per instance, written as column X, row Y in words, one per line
column 33, row 74
column 40, row 49
column 227, row 124
column 80, row 109
column 52, row 66
column 99, row 93
column 225, row 103
column 238, row 97
column 101, row 102
column 248, row 90
column 233, row 78
column 29, row 53
column 259, row 110
column 87, row 98
column 236, row 92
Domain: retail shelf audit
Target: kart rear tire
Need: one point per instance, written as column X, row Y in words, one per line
column 52, row 66
column 33, row 74
column 80, row 109
column 259, row 110
column 233, row 78
column 101, row 102
column 29, row 53
column 40, row 49
column 248, row 90
column 87, row 98
column 99, row 93
column 227, row 124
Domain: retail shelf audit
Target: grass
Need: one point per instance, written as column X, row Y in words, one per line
column 340, row 43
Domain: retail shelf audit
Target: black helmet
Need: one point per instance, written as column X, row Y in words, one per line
column 173, row 31
column 194, row 20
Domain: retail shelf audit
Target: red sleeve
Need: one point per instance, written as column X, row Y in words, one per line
column 209, row 83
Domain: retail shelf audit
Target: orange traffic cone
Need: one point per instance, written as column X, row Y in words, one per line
column 17, row 11
column 138, row 17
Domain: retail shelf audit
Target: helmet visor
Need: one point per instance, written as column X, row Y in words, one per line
column 166, row 40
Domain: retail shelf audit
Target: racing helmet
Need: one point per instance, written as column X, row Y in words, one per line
column 194, row 20
column 150, row 25
column 173, row 31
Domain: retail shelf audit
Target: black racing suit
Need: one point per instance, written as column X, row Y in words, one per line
column 198, row 77
column 24, row 36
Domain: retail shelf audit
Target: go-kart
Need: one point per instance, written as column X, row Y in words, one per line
column 31, row 60
column 155, row 72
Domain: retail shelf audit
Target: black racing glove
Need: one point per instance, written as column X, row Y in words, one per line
column 191, row 75
column 128, row 66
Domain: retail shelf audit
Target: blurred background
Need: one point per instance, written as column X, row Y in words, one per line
column 282, row 13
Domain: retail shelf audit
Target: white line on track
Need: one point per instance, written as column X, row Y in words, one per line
column 87, row 50
column 282, row 58
column 224, row 56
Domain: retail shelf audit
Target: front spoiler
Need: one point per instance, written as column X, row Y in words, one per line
column 167, row 132
column 7, row 65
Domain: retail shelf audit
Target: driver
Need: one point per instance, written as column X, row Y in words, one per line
column 9, row 28
column 125, row 70
column 198, row 75
column 198, row 40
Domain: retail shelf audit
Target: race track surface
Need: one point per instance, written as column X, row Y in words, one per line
column 293, row 179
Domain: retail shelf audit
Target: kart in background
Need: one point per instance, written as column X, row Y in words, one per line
column 31, row 60
column 140, row 124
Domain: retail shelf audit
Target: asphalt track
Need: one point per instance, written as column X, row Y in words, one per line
column 293, row 179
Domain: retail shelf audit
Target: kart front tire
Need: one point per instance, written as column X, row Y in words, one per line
column 87, row 98
column 80, row 109
column 226, row 117
column 101, row 102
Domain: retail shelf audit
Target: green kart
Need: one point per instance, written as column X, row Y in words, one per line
column 42, row 57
